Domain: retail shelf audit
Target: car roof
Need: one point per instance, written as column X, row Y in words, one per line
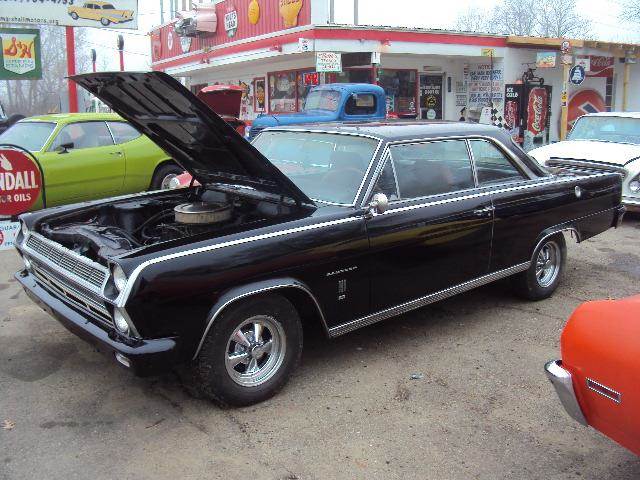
column 614, row 114
column 72, row 117
column 363, row 87
column 399, row 130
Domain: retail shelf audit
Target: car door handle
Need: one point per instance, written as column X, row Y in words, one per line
column 116, row 153
column 483, row 212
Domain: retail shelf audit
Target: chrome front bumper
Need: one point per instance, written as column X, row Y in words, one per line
column 632, row 203
column 561, row 380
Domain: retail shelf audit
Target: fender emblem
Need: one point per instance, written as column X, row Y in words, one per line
column 604, row 391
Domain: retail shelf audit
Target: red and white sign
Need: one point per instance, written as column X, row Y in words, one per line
column 537, row 111
column 600, row 66
column 8, row 232
column 582, row 102
column 20, row 182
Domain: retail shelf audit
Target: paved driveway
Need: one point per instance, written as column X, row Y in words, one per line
column 482, row 409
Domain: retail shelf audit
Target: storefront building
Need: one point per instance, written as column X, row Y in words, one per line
column 270, row 48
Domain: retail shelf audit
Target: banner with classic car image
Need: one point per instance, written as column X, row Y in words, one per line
column 119, row 14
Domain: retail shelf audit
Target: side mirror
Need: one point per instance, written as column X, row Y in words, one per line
column 379, row 203
column 64, row 148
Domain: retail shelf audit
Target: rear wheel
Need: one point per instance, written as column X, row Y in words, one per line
column 105, row 21
column 163, row 175
column 74, row 15
column 250, row 351
column 542, row 277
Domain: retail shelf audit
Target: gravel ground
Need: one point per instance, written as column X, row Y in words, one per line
column 481, row 407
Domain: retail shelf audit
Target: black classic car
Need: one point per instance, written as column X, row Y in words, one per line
column 344, row 225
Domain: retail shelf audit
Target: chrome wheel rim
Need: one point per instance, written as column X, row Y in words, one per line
column 255, row 351
column 548, row 264
column 164, row 185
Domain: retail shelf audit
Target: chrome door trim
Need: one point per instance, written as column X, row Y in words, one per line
column 426, row 300
column 256, row 292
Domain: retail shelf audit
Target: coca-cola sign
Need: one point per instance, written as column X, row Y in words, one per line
column 600, row 66
column 537, row 111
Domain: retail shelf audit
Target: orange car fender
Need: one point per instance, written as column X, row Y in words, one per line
column 601, row 348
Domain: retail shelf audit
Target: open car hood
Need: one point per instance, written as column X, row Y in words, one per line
column 187, row 129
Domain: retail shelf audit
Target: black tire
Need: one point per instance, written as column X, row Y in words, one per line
column 164, row 172
column 529, row 284
column 211, row 369
column 105, row 21
column 74, row 15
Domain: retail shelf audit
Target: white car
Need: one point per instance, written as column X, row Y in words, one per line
column 600, row 142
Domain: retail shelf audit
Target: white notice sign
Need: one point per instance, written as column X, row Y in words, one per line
column 328, row 62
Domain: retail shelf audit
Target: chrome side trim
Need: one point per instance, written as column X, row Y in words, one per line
column 605, row 391
column 426, row 300
column 256, row 292
column 563, row 384
column 124, row 295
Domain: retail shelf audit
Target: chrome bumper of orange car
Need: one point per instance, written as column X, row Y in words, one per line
column 561, row 380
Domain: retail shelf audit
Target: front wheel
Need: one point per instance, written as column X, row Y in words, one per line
column 105, row 21
column 542, row 277
column 74, row 15
column 250, row 351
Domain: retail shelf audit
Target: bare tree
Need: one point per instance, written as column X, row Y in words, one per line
column 631, row 10
column 473, row 20
column 559, row 19
column 544, row 18
column 32, row 97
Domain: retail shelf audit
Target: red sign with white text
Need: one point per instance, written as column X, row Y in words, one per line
column 20, row 182
column 537, row 111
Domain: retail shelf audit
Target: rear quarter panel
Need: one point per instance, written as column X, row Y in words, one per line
column 601, row 342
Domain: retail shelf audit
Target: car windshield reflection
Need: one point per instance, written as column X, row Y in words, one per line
column 327, row 167
column 607, row 129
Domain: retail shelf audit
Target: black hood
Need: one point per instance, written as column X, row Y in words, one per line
column 187, row 129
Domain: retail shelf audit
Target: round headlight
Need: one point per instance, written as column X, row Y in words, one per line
column 119, row 278
column 174, row 183
column 121, row 323
column 634, row 186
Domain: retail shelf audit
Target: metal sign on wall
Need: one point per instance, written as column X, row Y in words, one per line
column 120, row 14
column 20, row 54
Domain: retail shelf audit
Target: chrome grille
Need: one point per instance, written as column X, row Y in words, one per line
column 585, row 167
column 68, row 261
column 76, row 294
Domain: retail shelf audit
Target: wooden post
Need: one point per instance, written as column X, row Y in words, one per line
column 625, row 85
column 564, row 117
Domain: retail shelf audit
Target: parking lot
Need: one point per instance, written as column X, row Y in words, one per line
column 479, row 405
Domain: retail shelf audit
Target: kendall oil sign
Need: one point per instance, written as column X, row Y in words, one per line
column 20, row 182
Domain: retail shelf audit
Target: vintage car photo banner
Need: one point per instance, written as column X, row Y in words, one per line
column 76, row 13
column 20, row 54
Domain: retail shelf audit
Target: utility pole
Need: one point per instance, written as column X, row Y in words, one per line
column 71, row 69
column 161, row 12
column 121, row 50
column 355, row 12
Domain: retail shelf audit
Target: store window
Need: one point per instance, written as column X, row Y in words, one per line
column 400, row 88
column 353, row 75
column 282, row 92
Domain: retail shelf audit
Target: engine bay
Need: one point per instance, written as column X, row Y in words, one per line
column 112, row 229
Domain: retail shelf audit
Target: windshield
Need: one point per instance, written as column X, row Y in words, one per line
column 326, row 167
column 607, row 129
column 28, row 135
column 323, row 100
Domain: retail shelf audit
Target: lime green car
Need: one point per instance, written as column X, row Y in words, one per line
column 88, row 156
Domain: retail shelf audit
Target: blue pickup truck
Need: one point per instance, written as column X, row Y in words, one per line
column 333, row 102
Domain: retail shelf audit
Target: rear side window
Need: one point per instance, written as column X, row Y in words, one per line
column 386, row 182
column 361, row 104
column 492, row 165
column 83, row 135
column 432, row 168
column 123, row 132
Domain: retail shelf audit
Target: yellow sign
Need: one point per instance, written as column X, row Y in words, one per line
column 289, row 10
column 564, row 97
column 254, row 12
column 488, row 52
